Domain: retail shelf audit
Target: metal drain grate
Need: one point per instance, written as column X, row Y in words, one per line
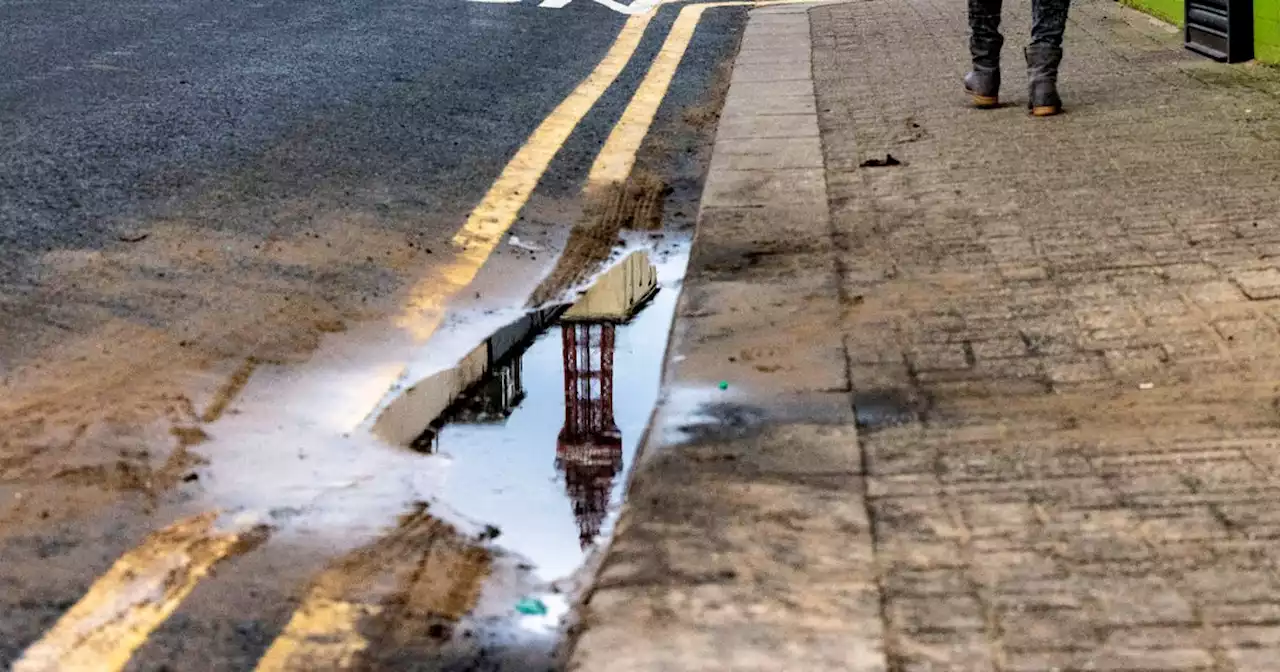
column 1220, row 29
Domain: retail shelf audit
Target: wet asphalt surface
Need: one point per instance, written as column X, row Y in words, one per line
column 114, row 116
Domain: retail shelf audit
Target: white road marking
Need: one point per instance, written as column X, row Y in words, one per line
column 637, row 8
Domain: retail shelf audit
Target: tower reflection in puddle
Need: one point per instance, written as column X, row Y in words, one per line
column 589, row 449
column 548, row 379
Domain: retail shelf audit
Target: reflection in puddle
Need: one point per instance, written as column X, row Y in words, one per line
column 531, row 433
column 535, row 417
column 589, row 448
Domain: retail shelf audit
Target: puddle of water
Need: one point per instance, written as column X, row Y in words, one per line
column 540, row 424
column 535, row 428
column 538, row 448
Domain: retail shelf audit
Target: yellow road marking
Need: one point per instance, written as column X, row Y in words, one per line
column 423, row 567
column 135, row 596
column 323, row 634
column 500, row 207
column 618, row 155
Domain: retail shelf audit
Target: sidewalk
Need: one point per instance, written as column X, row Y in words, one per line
column 1013, row 405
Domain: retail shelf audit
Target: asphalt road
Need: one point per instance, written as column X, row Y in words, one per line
column 116, row 115
column 184, row 185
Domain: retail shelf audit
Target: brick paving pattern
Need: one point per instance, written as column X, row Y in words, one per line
column 1079, row 319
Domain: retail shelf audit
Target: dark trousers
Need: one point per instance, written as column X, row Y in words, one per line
column 1049, row 22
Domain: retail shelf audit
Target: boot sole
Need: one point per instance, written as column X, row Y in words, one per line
column 1045, row 111
column 984, row 102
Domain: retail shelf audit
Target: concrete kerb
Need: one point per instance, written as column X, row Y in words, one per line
column 745, row 542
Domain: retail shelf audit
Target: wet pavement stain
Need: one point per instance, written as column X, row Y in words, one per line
column 721, row 421
column 882, row 409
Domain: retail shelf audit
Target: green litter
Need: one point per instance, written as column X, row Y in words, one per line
column 530, row 606
column 724, row 384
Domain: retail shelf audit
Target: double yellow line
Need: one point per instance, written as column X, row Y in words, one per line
column 324, row 632
column 501, row 205
column 122, row 609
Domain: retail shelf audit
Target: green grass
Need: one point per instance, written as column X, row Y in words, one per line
column 1165, row 10
column 1266, row 30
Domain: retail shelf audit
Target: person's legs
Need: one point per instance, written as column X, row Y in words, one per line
column 985, row 41
column 1044, row 55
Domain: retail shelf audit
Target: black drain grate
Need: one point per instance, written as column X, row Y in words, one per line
column 1220, row 29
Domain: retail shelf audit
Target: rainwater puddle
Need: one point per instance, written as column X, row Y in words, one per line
column 534, row 431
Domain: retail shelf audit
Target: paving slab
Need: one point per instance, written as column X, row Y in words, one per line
column 1075, row 300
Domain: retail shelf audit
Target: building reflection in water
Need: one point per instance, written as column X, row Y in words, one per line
column 489, row 403
column 589, row 448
